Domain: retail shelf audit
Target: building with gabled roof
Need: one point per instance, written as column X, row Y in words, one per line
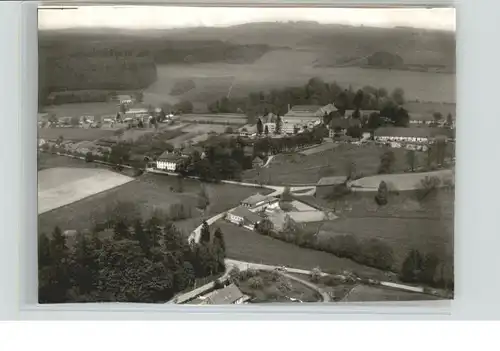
column 256, row 200
column 169, row 161
column 244, row 217
column 411, row 134
column 300, row 117
column 338, row 126
column 229, row 295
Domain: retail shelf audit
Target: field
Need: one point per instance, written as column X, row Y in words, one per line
column 75, row 134
column 402, row 182
column 428, row 108
column 271, row 292
column 58, row 187
column 86, row 108
column 243, row 244
column 362, row 293
column 217, row 128
column 282, row 68
column 319, row 148
column 404, row 224
column 51, row 161
column 215, row 118
column 401, row 234
column 149, row 193
column 300, row 169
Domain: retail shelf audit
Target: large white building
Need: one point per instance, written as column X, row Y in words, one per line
column 422, row 135
column 302, row 117
column 169, row 161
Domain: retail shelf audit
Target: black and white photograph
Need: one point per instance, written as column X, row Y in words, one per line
column 245, row 155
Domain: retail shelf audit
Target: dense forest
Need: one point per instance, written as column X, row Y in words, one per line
column 93, row 70
column 142, row 261
column 206, row 51
column 74, row 62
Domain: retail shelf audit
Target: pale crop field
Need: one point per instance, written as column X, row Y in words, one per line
column 76, row 134
column 84, row 108
column 401, row 182
column 218, row 128
column 62, row 186
column 319, row 148
column 283, row 68
column 375, row 293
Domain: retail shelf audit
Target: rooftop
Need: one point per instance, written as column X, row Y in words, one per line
column 344, row 123
column 228, row 295
column 255, row 199
column 305, row 111
column 332, row 180
column 246, row 214
column 328, row 108
column 419, row 132
column 169, row 156
column 123, row 97
column 427, row 117
column 137, row 110
column 305, row 108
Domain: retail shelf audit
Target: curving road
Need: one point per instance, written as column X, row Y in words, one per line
column 278, row 190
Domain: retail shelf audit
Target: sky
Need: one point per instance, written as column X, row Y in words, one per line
column 149, row 17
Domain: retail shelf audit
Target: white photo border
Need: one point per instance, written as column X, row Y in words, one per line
column 476, row 230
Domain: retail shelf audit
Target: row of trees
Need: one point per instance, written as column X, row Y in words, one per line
column 228, row 158
column 417, row 268
column 224, row 159
column 370, row 252
column 266, row 146
column 427, row 269
column 435, row 156
column 314, row 92
column 142, row 262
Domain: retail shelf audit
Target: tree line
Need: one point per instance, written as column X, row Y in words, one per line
column 314, row 92
column 417, row 268
column 228, row 158
column 143, row 261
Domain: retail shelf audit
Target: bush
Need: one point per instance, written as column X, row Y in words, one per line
column 316, row 275
column 381, row 197
column 330, row 280
column 251, row 272
column 218, row 284
column 275, row 275
column 427, row 186
column 256, row 282
column 344, row 246
column 284, row 285
column 377, row 253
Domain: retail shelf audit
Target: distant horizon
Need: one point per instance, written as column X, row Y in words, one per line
column 165, row 18
column 82, row 28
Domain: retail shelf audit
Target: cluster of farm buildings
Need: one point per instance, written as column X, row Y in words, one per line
column 306, row 117
column 298, row 119
column 128, row 112
column 255, row 209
